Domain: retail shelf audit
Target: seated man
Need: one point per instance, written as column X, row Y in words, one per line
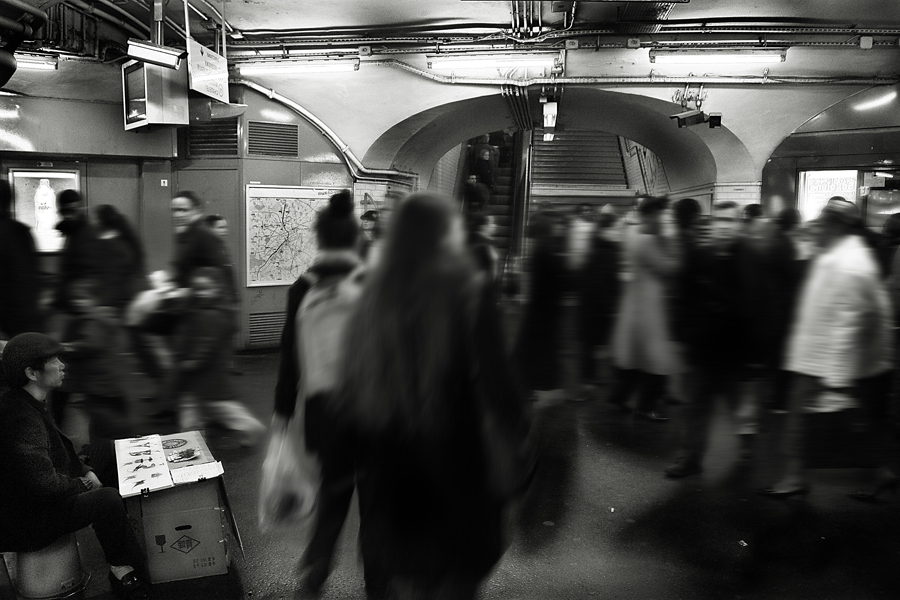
column 47, row 492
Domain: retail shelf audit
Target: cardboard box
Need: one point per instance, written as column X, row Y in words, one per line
column 183, row 527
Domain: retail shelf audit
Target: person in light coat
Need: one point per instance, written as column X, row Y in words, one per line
column 840, row 348
column 643, row 348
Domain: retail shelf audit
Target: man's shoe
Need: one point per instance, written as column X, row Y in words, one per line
column 130, row 587
column 684, row 467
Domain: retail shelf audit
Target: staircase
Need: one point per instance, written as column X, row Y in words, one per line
column 579, row 167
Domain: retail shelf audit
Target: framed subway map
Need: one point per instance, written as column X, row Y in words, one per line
column 281, row 241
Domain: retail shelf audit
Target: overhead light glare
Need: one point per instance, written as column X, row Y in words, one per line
column 277, row 67
column 882, row 174
column 886, row 99
column 452, row 62
column 706, row 56
column 39, row 62
column 155, row 54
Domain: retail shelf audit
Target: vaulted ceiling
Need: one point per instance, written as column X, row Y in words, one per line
column 403, row 111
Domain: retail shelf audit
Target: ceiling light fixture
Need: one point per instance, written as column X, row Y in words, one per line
column 450, row 62
column 276, row 67
column 883, row 174
column 42, row 62
column 693, row 56
column 155, row 54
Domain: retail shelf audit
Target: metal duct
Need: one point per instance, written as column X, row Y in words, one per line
column 643, row 80
column 517, row 101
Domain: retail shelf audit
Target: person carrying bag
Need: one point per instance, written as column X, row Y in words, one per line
column 305, row 470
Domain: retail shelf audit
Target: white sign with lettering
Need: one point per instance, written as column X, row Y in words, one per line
column 208, row 72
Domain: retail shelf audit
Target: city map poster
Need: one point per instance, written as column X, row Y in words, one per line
column 281, row 241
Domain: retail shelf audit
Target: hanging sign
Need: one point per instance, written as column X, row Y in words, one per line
column 208, row 72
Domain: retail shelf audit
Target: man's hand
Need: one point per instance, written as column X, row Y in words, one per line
column 95, row 481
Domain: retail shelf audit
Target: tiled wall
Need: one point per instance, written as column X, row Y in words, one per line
column 643, row 169
column 742, row 193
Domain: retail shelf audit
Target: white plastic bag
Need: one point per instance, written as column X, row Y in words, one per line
column 291, row 476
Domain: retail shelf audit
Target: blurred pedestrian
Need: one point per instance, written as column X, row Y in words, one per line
column 483, row 168
column 841, row 346
column 195, row 245
column 600, row 288
column 370, row 231
column 320, row 303
column 97, row 369
column 205, row 391
column 426, row 401
column 123, row 274
column 714, row 332
column 20, row 283
column 643, row 350
column 784, row 268
column 475, row 196
column 219, row 226
column 538, row 349
column 80, row 257
column 480, row 239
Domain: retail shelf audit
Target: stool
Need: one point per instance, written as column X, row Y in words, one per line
column 52, row 572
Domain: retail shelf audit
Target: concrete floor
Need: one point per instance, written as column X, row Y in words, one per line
column 599, row 521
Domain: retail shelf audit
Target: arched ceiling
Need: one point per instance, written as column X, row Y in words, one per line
column 691, row 156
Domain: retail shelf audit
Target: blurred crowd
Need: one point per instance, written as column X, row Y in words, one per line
column 401, row 381
column 112, row 317
column 672, row 307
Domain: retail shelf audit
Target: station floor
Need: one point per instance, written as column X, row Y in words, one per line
column 600, row 521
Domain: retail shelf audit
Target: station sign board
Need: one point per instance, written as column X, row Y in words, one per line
column 208, row 72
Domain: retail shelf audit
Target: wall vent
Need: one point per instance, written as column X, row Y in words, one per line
column 213, row 138
column 265, row 329
column 273, row 139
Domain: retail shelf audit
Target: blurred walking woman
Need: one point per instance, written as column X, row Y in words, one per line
column 425, row 369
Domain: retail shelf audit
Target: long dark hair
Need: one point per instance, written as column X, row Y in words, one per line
column 407, row 332
column 111, row 219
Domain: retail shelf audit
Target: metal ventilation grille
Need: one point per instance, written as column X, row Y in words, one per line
column 273, row 139
column 265, row 329
column 213, row 138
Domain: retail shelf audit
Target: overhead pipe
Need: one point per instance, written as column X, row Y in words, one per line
column 118, row 9
column 100, row 14
column 220, row 15
column 20, row 30
column 39, row 17
column 359, row 170
column 634, row 80
column 172, row 24
column 17, row 28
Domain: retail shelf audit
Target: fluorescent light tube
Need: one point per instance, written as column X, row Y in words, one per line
column 298, row 66
column 716, row 56
column 449, row 62
column 882, row 174
column 37, row 62
column 155, row 54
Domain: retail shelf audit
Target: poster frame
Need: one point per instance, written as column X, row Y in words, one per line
column 276, row 191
